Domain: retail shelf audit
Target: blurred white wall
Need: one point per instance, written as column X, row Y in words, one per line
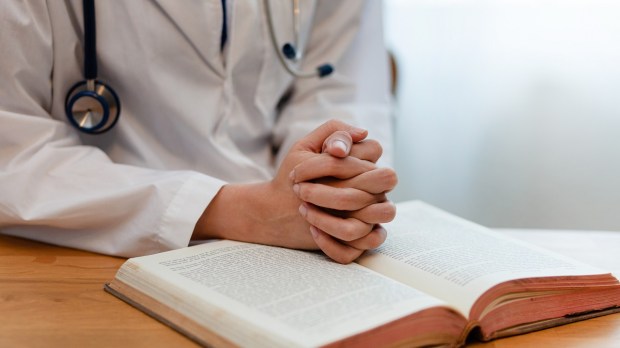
column 509, row 110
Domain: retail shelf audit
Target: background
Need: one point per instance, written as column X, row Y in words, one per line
column 508, row 111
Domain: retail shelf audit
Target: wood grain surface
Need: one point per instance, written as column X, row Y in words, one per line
column 53, row 297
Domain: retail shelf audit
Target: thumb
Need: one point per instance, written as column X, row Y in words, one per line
column 327, row 138
column 338, row 144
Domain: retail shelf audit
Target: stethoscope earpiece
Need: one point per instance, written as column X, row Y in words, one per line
column 325, row 70
column 92, row 109
column 289, row 51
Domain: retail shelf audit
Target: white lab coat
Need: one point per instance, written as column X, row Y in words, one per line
column 191, row 119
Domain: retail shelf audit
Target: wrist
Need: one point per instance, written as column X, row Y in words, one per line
column 257, row 213
column 226, row 214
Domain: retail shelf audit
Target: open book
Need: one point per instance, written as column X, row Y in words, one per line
column 435, row 280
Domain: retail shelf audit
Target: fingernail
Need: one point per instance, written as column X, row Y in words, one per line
column 291, row 175
column 340, row 144
column 314, row 232
column 296, row 189
column 303, row 210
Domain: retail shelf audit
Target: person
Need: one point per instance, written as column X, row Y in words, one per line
column 215, row 138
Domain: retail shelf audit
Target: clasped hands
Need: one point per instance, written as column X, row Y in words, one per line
column 328, row 194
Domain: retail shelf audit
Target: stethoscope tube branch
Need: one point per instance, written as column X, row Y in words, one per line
column 321, row 71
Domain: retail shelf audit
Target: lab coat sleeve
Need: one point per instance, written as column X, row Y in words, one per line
column 56, row 190
column 349, row 35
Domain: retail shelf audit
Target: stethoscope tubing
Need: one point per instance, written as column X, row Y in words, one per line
column 321, row 71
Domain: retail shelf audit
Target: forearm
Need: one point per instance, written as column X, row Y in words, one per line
column 75, row 197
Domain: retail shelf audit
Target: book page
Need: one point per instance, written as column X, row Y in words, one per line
column 457, row 260
column 302, row 297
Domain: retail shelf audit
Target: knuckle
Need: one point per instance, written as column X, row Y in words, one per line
column 387, row 212
column 306, row 191
column 343, row 135
column 312, row 218
column 331, row 121
column 375, row 147
column 388, row 177
column 333, row 124
column 340, row 259
column 350, row 258
column 347, row 257
column 381, row 236
column 330, row 165
column 376, row 240
column 369, row 165
column 349, row 230
column 345, row 198
column 299, row 144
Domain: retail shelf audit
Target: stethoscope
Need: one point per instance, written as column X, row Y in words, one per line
column 93, row 107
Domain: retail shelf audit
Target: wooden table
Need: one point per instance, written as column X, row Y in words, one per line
column 53, row 297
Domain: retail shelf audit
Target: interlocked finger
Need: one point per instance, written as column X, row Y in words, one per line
column 369, row 150
column 375, row 181
column 370, row 241
column 345, row 229
column 338, row 198
column 377, row 213
column 325, row 165
column 333, row 248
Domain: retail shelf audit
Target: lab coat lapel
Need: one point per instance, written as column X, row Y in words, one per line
column 201, row 24
column 249, row 32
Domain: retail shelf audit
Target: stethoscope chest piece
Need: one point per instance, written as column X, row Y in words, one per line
column 92, row 107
